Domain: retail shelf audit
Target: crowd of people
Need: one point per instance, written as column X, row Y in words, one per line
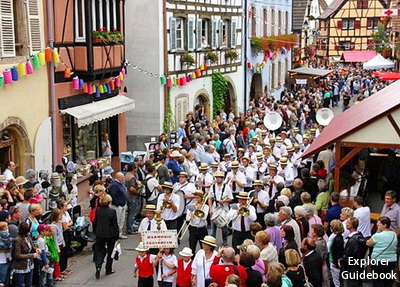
column 257, row 213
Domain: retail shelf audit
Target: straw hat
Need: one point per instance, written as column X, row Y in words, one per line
column 141, row 247
column 214, row 164
column 203, row 165
column 240, row 149
column 283, row 160
column 199, row 193
column 219, row 174
column 168, row 184
column 246, row 157
column 296, row 145
column 149, row 207
column 290, row 148
column 278, row 139
column 259, row 155
column 272, row 139
column 3, row 178
column 182, row 173
column 295, row 129
column 186, row 251
column 209, row 240
column 20, row 180
column 263, row 132
column 227, row 155
column 272, row 166
column 242, row 195
column 257, row 182
column 235, row 164
column 175, row 153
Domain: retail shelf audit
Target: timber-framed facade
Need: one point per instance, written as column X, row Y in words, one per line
column 348, row 25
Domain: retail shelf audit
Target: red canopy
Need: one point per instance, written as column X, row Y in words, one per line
column 387, row 76
column 358, row 56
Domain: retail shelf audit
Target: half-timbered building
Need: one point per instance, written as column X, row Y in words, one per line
column 176, row 47
column 90, row 101
column 348, row 25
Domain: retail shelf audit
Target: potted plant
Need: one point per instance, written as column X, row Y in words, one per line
column 232, row 54
column 187, row 59
column 212, row 56
column 116, row 36
column 100, row 35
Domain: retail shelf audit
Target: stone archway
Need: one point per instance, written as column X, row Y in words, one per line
column 202, row 99
column 231, row 97
column 15, row 144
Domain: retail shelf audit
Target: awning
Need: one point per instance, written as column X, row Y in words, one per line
column 311, row 71
column 100, row 110
column 392, row 76
column 358, row 56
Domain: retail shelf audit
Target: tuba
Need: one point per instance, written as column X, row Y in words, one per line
column 324, row 116
column 273, row 121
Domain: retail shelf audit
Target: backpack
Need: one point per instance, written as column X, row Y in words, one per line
column 5, row 240
column 222, row 148
column 359, row 248
column 146, row 192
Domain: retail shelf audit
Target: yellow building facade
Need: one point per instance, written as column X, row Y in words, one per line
column 24, row 102
column 348, row 25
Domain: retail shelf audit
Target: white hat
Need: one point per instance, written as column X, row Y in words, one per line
column 186, row 252
column 141, row 247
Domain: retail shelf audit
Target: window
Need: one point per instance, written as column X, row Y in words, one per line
column 265, row 21
column 280, row 23
column 344, row 45
column 348, row 24
column 253, row 22
column 372, row 23
column 273, row 24
column 179, row 33
column 287, row 29
column 104, row 14
column 80, row 35
column 362, row 4
column 19, row 24
column 181, row 108
column 223, row 31
column 204, row 35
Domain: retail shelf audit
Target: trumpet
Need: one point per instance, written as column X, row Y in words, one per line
column 242, row 210
column 158, row 217
column 198, row 213
column 167, row 203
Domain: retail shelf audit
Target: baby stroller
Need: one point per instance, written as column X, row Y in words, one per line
column 80, row 230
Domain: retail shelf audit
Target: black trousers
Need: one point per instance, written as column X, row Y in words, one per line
column 383, row 269
column 64, row 254
column 146, row 281
column 104, row 246
column 238, row 237
column 195, row 235
column 171, row 224
column 260, row 219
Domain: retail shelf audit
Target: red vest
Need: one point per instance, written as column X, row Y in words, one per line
column 145, row 268
column 183, row 276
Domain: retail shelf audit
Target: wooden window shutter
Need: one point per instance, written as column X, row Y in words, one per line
column 35, row 39
column 214, row 34
column 352, row 45
column 357, row 24
column 190, row 33
column 233, row 34
column 359, row 4
column 199, row 28
column 172, row 34
column 7, row 39
column 337, row 47
column 339, row 25
column 220, row 32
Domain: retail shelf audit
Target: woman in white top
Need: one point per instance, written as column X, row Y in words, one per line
column 202, row 261
column 167, row 264
column 193, row 170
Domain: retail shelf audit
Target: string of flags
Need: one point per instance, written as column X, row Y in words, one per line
column 268, row 56
column 97, row 89
column 34, row 62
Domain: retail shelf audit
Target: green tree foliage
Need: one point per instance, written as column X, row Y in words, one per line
column 219, row 89
column 381, row 38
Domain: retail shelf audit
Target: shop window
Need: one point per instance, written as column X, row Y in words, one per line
column 82, row 145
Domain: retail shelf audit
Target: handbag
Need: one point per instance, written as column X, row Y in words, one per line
column 92, row 213
column 307, row 284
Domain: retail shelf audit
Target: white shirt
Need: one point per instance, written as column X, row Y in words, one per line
column 233, row 215
column 188, row 188
column 250, row 174
column 170, row 259
column 239, row 176
column 277, row 178
column 216, row 195
column 287, row 174
column 168, row 213
column 269, row 253
column 152, row 182
column 197, row 221
column 201, row 266
column 204, row 179
column 225, row 166
column 363, row 214
column 144, row 224
column 8, row 174
column 263, row 197
column 261, row 168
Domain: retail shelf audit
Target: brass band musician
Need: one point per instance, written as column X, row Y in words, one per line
column 168, row 203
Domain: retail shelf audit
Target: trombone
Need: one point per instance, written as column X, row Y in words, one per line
column 198, row 213
column 242, row 210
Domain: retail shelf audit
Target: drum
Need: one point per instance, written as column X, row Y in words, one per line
column 182, row 202
column 219, row 218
